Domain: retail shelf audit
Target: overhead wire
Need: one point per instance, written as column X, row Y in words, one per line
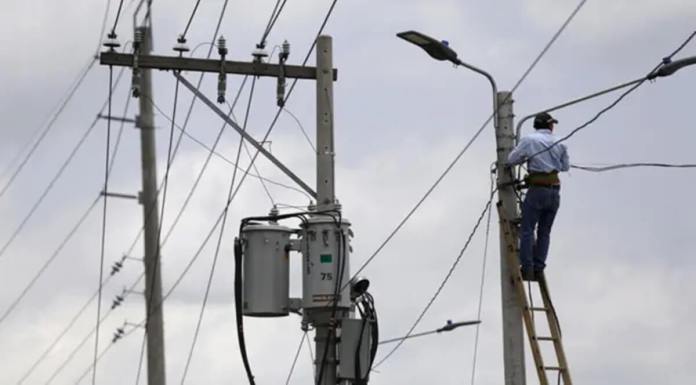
column 481, row 286
column 297, row 356
column 621, row 97
column 57, row 176
column 70, row 234
column 190, row 20
column 82, row 342
column 443, row 282
column 304, row 133
column 631, row 165
column 51, row 123
column 277, row 10
column 219, row 241
column 104, row 219
column 118, row 15
column 470, row 142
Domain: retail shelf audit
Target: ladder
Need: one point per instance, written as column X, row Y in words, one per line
column 529, row 310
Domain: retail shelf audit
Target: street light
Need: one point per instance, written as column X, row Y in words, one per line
column 669, row 68
column 440, row 50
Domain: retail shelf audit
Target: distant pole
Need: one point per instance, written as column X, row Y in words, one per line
column 513, row 337
column 153, row 281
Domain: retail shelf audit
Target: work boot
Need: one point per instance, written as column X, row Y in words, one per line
column 528, row 274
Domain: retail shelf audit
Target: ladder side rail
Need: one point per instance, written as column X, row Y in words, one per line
column 555, row 332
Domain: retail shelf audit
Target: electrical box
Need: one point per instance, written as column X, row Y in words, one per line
column 354, row 347
column 325, row 262
column 266, row 273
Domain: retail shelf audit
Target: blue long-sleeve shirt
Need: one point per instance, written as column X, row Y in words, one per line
column 532, row 145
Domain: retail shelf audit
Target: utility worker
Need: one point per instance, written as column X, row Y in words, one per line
column 545, row 158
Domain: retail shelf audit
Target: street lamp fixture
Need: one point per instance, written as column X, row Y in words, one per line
column 440, row 50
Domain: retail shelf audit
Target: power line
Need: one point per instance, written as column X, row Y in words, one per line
column 219, row 241
column 297, row 355
column 118, row 15
column 57, row 176
column 277, row 9
column 103, row 353
column 71, row 92
column 483, row 280
column 104, row 212
column 631, row 165
column 470, row 142
column 77, row 348
column 444, row 281
column 617, row 100
column 193, row 14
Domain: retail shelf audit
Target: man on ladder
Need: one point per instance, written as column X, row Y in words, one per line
column 545, row 159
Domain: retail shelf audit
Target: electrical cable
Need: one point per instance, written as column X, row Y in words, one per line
column 103, row 353
column 299, row 124
column 631, row 165
column 277, row 9
column 470, row 142
column 55, row 178
column 218, row 245
column 444, row 281
column 297, row 356
column 665, row 60
column 193, row 14
column 77, row 348
column 481, row 286
column 118, row 15
column 67, row 238
column 212, row 150
column 63, row 104
column 103, row 229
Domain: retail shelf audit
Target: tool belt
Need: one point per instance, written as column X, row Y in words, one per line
column 544, row 179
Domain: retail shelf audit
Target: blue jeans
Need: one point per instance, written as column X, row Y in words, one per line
column 538, row 212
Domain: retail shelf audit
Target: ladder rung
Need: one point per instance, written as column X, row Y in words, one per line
column 538, row 309
column 545, row 338
column 556, row 368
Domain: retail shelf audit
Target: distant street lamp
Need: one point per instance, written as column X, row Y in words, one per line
column 440, row 50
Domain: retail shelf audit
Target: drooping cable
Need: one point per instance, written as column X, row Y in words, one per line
column 631, row 165
column 103, row 229
column 299, row 124
column 444, row 281
column 481, row 286
column 219, row 244
column 470, row 142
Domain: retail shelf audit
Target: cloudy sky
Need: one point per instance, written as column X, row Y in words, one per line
column 621, row 265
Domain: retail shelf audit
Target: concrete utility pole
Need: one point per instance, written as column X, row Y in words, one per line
column 513, row 336
column 321, row 317
column 153, row 281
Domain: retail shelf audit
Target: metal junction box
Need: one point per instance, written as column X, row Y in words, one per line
column 350, row 336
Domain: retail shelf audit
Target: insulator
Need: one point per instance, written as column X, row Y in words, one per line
column 111, row 41
column 285, row 50
column 222, row 88
column 280, row 92
column 180, row 45
column 259, row 54
column 138, row 38
column 222, row 46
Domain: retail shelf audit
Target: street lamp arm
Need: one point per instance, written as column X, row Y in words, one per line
column 672, row 67
column 494, row 86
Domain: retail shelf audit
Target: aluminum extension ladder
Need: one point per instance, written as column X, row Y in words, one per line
column 560, row 367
